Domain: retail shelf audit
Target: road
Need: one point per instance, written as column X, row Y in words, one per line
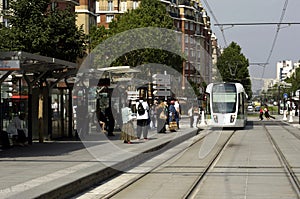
column 260, row 161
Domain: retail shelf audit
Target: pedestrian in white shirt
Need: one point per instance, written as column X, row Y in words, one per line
column 142, row 117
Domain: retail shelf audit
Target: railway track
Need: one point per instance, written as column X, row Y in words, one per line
column 235, row 166
column 291, row 174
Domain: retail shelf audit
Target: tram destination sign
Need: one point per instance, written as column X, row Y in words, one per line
column 9, row 64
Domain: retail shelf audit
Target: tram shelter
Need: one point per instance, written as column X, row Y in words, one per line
column 27, row 84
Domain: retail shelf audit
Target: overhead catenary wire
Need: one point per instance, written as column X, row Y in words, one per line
column 276, row 36
column 216, row 20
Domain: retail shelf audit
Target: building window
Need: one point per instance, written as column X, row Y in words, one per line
column 192, row 53
column 186, row 51
column 5, row 4
column 110, row 5
column 186, row 25
column 53, row 6
column 5, row 22
column 186, row 38
column 192, row 26
column 109, row 18
column 135, row 4
column 123, row 6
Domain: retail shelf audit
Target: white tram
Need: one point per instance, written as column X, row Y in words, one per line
column 226, row 105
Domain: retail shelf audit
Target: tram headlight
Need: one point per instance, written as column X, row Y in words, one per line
column 216, row 118
column 232, row 118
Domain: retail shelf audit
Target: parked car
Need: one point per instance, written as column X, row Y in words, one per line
column 250, row 108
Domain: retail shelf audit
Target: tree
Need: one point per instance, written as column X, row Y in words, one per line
column 233, row 67
column 294, row 80
column 35, row 28
column 150, row 13
column 97, row 35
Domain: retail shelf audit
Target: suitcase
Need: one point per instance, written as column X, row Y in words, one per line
column 173, row 126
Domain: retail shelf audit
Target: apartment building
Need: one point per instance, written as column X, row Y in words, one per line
column 216, row 52
column 284, row 69
column 60, row 4
column 190, row 18
column 86, row 14
column 4, row 5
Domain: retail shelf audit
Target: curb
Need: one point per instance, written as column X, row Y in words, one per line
column 79, row 185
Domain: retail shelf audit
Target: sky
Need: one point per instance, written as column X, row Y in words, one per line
column 256, row 41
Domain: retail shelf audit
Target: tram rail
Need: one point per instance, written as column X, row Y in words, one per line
column 234, row 156
column 194, row 188
column 142, row 175
column 284, row 162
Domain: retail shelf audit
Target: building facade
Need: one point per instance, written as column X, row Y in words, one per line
column 60, row 4
column 86, row 14
column 4, row 5
column 284, row 69
column 190, row 18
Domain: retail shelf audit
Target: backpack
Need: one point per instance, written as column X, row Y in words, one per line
column 141, row 109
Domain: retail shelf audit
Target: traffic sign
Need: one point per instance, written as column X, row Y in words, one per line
column 161, row 87
column 162, row 93
column 161, row 76
column 285, row 95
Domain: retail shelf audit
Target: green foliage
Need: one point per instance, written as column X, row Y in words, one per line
column 294, row 80
column 150, row 13
column 37, row 29
column 97, row 35
column 233, row 67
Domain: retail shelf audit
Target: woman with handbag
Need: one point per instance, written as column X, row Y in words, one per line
column 162, row 113
column 173, row 117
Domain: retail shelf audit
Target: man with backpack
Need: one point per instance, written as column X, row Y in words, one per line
column 142, row 117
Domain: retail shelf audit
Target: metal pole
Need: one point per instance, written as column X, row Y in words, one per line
column 278, row 100
column 299, row 106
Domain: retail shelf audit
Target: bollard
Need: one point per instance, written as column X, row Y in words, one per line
column 291, row 116
column 202, row 123
column 284, row 116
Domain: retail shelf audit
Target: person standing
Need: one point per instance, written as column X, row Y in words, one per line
column 173, row 115
column 162, row 116
column 142, row 118
column 54, row 107
column 101, row 120
column 191, row 116
column 16, row 131
column 153, row 114
column 178, row 110
column 127, row 133
column 196, row 115
column 110, row 120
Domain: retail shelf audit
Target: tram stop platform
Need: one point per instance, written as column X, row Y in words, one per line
column 62, row 168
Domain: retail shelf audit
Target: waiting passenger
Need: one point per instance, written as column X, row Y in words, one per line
column 16, row 131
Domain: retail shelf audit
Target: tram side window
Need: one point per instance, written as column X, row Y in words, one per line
column 241, row 104
column 207, row 104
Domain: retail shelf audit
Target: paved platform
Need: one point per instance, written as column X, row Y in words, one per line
column 59, row 169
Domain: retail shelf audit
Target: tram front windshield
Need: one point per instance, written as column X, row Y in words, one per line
column 224, row 98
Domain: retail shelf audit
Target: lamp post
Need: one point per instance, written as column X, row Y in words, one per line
column 299, row 105
column 278, row 100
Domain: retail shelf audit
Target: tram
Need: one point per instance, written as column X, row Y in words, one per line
column 226, row 105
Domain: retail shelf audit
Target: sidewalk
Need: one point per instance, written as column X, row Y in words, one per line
column 59, row 169
column 294, row 121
